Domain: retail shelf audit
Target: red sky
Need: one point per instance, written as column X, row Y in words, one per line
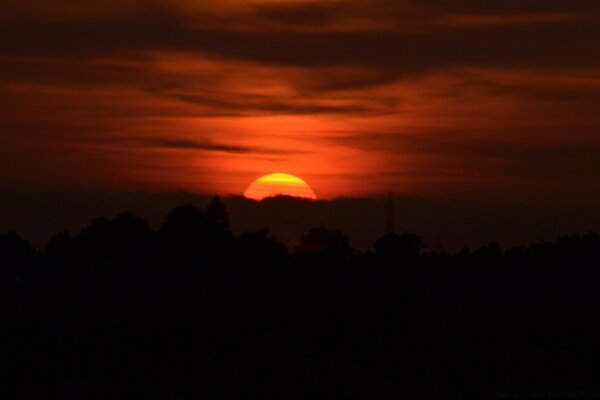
column 438, row 98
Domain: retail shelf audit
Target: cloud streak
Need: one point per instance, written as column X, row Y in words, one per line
column 188, row 144
column 360, row 97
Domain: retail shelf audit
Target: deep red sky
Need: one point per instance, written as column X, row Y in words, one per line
column 495, row 101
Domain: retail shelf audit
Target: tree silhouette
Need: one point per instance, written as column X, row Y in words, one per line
column 262, row 249
column 323, row 244
column 194, row 311
column 217, row 215
column 16, row 255
column 395, row 249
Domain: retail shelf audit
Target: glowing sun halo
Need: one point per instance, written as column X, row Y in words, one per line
column 279, row 184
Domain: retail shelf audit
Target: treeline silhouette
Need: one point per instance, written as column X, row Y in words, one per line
column 191, row 310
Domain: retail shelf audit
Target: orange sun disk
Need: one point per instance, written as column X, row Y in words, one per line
column 279, row 184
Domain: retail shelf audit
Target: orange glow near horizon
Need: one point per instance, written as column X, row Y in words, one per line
column 214, row 99
column 278, row 184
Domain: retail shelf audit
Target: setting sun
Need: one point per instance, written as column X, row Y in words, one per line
column 278, row 184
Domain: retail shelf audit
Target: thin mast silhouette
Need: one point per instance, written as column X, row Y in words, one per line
column 390, row 213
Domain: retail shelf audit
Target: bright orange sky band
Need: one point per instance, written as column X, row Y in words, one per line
column 444, row 99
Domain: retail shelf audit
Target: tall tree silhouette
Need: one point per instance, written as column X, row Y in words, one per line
column 217, row 215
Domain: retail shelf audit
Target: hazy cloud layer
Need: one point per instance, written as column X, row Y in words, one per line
column 496, row 100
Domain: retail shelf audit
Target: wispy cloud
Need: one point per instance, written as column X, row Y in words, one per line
column 374, row 94
column 188, row 144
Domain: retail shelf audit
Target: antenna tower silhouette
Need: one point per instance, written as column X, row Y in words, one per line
column 390, row 213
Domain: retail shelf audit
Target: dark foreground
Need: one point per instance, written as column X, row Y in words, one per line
column 190, row 311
